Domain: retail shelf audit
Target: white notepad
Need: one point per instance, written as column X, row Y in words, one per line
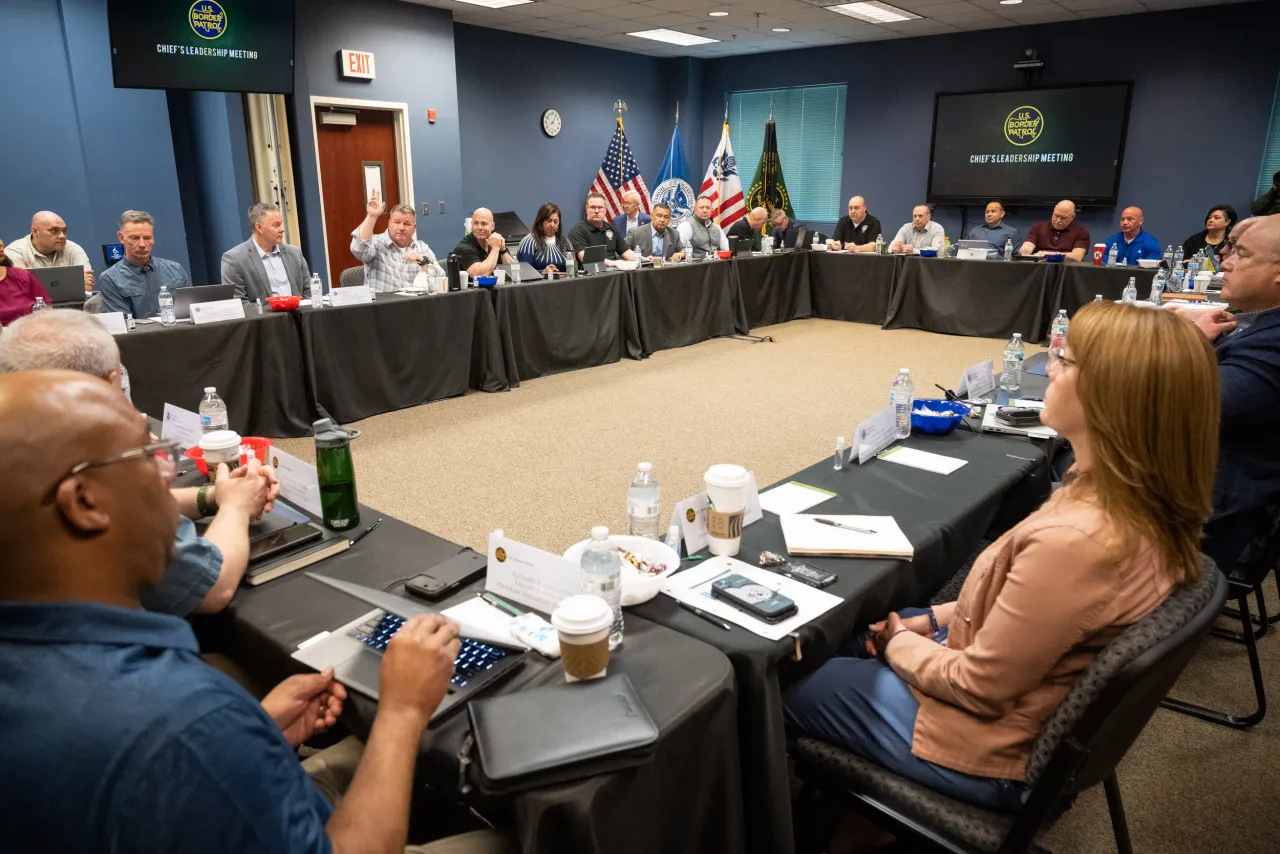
column 793, row 497
column 805, row 536
column 936, row 463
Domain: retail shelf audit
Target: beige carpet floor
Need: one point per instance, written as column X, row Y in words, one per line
column 550, row 459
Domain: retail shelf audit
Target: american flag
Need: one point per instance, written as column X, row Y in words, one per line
column 723, row 184
column 618, row 174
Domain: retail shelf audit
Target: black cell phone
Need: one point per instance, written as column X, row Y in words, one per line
column 753, row 598
column 1022, row 416
column 805, row 574
column 441, row 581
column 282, row 541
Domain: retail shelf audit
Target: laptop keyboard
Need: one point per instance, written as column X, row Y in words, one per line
column 473, row 659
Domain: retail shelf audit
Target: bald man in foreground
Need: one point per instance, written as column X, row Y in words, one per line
column 1132, row 243
column 117, row 736
column 748, row 228
column 482, row 250
column 858, row 231
column 47, row 246
column 1060, row 235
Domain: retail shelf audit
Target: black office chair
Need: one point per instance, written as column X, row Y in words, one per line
column 352, row 277
column 1246, row 579
column 1081, row 745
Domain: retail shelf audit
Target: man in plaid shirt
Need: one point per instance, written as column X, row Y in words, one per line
column 391, row 259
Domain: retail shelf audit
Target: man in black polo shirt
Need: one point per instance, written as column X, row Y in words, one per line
column 481, row 250
column 858, row 231
column 595, row 230
column 748, row 228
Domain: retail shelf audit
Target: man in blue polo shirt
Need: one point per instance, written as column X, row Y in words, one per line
column 117, row 737
column 1131, row 242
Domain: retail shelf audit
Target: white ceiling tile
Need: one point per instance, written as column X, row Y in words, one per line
column 586, row 19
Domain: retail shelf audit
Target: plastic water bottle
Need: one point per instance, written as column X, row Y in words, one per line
column 1008, row 249
column 570, row 268
column 213, row 412
column 1058, row 330
column 901, row 395
column 1011, row 375
column 1177, row 281
column 1113, row 254
column 165, row 299
column 644, row 504
column 816, row 244
column 1193, row 267
column 602, row 576
column 315, row 291
column 1168, row 257
column 879, row 244
column 1157, row 286
column 1178, row 255
column 125, row 385
column 1130, row 291
column 38, row 306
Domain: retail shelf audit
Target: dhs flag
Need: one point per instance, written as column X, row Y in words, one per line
column 619, row 174
column 768, row 189
column 723, row 184
column 673, row 187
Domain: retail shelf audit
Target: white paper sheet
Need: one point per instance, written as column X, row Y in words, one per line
column 936, row 463
column 481, row 621
column 804, row 535
column 298, row 481
column 693, row 587
column 112, row 321
column 793, row 497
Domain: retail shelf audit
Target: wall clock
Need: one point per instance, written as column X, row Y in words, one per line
column 551, row 123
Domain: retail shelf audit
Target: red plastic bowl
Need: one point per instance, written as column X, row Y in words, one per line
column 257, row 444
column 723, row 253
column 284, row 303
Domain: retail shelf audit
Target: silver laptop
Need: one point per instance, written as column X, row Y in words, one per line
column 354, row 650
column 65, row 285
column 973, row 249
column 184, row 298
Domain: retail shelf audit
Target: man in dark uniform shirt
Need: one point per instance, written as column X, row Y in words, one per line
column 858, row 231
column 748, row 228
column 1059, row 234
column 595, row 230
column 481, row 250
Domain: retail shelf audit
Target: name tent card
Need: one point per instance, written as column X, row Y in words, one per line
column 298, row 482
column 978, row 380
column 528, row 575
column 113, row 322
column 691, row 516
column 350, row 296
column 219, row 309
column 873, row 435
column 181, row 424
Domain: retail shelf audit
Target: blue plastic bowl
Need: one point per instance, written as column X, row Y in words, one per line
column 928, row 253
column 486, row 281
column 1055, row 257
column 938, row 425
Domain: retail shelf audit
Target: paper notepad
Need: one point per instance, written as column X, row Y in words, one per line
column 936, row 463
column 793, row 497
column 806, row 536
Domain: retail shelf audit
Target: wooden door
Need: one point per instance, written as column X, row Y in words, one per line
column 344, row 149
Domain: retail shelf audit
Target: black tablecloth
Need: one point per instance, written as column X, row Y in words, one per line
column 989, row 299
column 687, row 799
column 552, row 326
column 852, row 286
column 256, row 364
column 682, row 304
column 1082, row 282
column 944, row 517
column 401, row 351
column 775, row 288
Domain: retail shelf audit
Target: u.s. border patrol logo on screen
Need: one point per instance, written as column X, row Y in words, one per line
column 677, row 195
column 1024, row 126
column 207, row 18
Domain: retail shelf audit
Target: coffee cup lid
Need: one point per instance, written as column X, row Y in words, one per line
column 582, row 615
column 726, row 476
column 217, row 440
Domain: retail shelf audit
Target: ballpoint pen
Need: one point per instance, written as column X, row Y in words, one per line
column 698, row 612
column 501, row 604
column 833, row 523
column 360, row 536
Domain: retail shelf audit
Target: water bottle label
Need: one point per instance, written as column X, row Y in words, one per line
column 637, row 507
column 899, row 397
column 206, row 421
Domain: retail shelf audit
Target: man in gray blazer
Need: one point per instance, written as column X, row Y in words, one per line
column 657, row 237
column 264, row 265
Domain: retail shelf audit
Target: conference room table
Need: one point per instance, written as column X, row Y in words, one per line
column 279, row 372
column 944, row 517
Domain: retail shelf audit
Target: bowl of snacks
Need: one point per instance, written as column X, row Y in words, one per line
column 723, row 254
column 936, row 416
column 645, row 563
column 1055, row 257
column 1148, row 263
column 928, row 253
column 288, row 303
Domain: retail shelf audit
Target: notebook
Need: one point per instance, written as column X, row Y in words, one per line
column 806, row 536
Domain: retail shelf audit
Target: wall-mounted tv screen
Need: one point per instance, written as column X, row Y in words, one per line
column 214, row 45
column 1032, row 146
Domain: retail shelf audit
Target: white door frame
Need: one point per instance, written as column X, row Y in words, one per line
column 404, row 161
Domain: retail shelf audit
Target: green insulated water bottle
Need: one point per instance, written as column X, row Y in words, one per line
column 337, row 475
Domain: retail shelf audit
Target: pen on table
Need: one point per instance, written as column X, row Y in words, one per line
column 360, row 536
column 698, row 612
column 1016, row 457
column 501, row 603
column 833, row 523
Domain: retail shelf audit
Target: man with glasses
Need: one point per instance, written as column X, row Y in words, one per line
column 116, row 735
column 205, row 571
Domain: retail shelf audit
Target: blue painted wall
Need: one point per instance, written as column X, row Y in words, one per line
column 414, row 51
column 1196, row 128
column 76, row 145
column 504, row 85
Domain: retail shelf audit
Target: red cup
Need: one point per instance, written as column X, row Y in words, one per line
column 1099, row 252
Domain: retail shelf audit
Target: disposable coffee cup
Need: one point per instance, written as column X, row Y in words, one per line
column 220, row 446
column 464, row 280
column 1099, row 253
column 583, row 624
column 501, row 276
column 657, row 260
column 1203, row 278
column 726, row 506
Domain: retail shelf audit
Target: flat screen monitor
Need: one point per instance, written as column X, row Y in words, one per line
column 211, row 45
column 1030, row 146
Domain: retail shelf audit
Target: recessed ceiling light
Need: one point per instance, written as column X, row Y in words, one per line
column 1010, row 2
column 718, row 14
column 496, row 4
column 673, row 37
column 782, row 29
column 874, row 11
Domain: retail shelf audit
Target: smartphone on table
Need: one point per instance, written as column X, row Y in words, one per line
column 753, row 598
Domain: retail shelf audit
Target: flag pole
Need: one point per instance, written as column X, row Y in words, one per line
column 677, row 112
column 618, row 107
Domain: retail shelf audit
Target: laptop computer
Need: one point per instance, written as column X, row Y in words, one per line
column 65, row 285
column 510, row 226
column 593, row 259
column 973, row 250
column 184, row 298
column 354, row 650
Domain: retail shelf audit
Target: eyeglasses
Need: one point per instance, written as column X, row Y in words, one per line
column 162, row 454
column 1058, row 359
